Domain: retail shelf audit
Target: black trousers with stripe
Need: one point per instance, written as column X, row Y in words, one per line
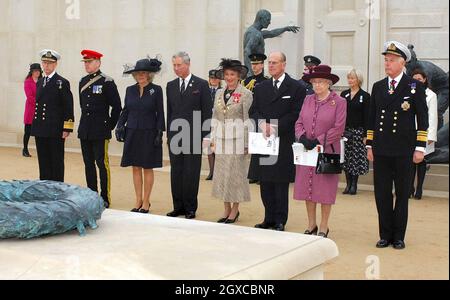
column 392, row 172
column 96, row 153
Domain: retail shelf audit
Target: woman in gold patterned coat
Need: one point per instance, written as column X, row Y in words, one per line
column 229, row 140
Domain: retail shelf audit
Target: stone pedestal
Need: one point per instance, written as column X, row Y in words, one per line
column 135, row 246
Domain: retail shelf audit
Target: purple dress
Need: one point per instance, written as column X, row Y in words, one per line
column 316, row 119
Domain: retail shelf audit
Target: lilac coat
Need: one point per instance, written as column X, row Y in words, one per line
column 315, row 120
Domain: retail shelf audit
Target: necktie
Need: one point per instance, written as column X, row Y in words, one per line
column 392, row 87
column 183, row 86
column 275, row 86
column 46, row 80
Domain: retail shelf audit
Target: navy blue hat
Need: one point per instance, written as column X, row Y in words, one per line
column 311, row 60
column 147, row 65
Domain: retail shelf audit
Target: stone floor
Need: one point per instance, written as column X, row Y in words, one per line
column 353, row 222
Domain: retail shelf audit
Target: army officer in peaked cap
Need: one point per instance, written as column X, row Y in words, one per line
column 257, row 61
column 310, row 62
column 394, row 141
column 53, row 118
column 100, row 110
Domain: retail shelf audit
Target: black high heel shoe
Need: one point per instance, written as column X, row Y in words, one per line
column 145, row 211
column 232, row 221
column 136, row 210
column 313, row 232
column 25, row 153
column 323, row 234
column 222, row 220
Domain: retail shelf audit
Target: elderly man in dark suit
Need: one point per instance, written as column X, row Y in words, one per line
column 189, row 110
column 276, row 107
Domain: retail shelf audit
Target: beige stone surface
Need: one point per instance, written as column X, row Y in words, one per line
column 353, row 222
column 136, row 246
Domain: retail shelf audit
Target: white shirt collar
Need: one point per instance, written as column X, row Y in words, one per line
column 397, row 80
column 186, row 80
column 280, row 80
column 51, row 75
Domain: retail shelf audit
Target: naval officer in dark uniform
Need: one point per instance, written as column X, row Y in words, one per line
column 310, row 63
column 394, row 141
column 257, row 61
column 98, row 93
column 53, row 118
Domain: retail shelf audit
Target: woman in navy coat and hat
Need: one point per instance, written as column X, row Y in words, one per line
column 141, row 126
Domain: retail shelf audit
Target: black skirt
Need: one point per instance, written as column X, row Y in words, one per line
column 356, row 162
column 139, row 149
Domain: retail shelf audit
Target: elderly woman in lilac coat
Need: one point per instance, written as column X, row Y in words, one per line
column 323, row 117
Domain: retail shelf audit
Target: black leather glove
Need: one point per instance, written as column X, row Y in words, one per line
column 158, row 139
column 309, row 144
column 120, row 134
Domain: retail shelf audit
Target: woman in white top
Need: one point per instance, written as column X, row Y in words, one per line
column 432, row 135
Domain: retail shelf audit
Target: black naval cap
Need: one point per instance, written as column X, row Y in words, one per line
column 311, row 60
column 213, row 74
column 257, row 58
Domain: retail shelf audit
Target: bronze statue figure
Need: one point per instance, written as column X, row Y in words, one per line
column 255, row 35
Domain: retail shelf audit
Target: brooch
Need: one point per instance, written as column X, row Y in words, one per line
column 406, row 106
column 333, row 103
column 237, row 98
column 152, row 91
column 59, row 82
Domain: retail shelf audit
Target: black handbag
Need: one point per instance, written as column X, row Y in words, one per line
column 329, row 163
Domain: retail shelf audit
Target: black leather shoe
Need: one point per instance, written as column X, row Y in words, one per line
column 418, row 195
column 190, row 215
column 263, row 225
column 175, row 213
column 383, row 244
column 278, row 227
column 135, row 210
column 314, row 231
column 210, row 177
column 232, row 221
column 399, row 245
column 222, row 220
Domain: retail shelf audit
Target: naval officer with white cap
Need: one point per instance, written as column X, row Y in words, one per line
column 394, row 141
column 53, row 119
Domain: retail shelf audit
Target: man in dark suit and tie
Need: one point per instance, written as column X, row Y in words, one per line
column 394, row 142
column 275, row 109
column 53, row 119
column 189, row 105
